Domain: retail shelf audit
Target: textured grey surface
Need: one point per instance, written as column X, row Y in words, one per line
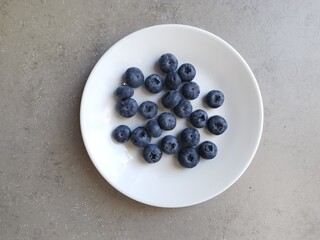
column 51, row 190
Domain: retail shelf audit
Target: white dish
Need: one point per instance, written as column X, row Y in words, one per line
column 166, row 183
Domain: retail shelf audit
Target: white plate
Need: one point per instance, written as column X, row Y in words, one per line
column 166, row 184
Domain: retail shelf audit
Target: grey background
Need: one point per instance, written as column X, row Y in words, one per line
column 51, row 190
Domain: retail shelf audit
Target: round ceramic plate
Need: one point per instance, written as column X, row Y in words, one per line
column 166, row 183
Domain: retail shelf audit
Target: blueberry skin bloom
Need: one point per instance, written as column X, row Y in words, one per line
column 217, row 125
column 134, row 77
column 140, row 137
column 154, row 83
column 168, row 63
column 190, row 90
column 152, row 153
column 167, row 121
column 127, row 107
column 207, row 150
column 187, row 72
column 124, row 92
column 183, row 109
column 153, row 128
column 148, row 109
column 170, row 144
column 172, row 81
column 188, row 157
column 189, row 137
column 171, row 99
column 199, row 118
column 214, row 98
column 122, row 133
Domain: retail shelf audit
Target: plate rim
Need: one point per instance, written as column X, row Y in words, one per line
column 252, row 79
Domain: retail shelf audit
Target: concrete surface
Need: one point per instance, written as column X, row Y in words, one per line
column 49, row 187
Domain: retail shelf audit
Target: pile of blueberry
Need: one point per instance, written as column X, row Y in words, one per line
column 181, row 89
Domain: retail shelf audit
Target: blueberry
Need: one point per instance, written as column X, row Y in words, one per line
column 140, row 137
column 171, row 99
column 153, row 128
column 199, row 118
column 207, row 150
column 217, row 125
column 148, row 109
column 190, row 90
column 214, row 98
column 154, row 83
column 128, row 107
column 122, row 133
column 168, row 63
column 188, row 157
column 134, row 77
column 167, row 121
column 170, row 144
column 183, row 109
column 124, row 92
column 172, row 81
column 187, row 72
column 152, row 153
column 189, row 137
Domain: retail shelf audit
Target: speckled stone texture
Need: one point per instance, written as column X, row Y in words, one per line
column 51, row 190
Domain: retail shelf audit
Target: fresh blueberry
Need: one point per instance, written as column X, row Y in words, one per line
column 199, row 118
column 153, row 128
column 154, row 83
column 168, row 63
column 128, row 107
column 187, row 72
column 214, row 98
column 170, row 144
column 207, row 150
column 122, row 133
column 124, row 92
column 217, row 125
column 167, row 121
column 183, row 109
column 172, row 81
column 188, row 157
column 189, row 137
column 148, row 109
column 171, row 99
column 152, row 153
column 134, row 77
column 190, row 90
column 140, row 137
